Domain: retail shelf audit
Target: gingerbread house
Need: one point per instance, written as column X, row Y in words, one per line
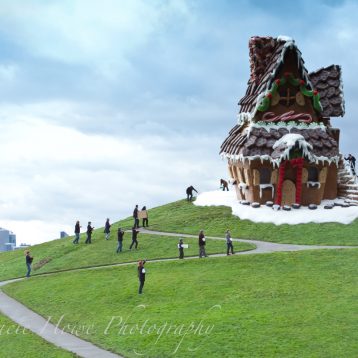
column 283, row 148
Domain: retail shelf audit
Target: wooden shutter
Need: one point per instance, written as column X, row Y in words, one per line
column 256, row 178
column 274, row 177
column 240, row 175
column 248, row 176
column 323, row 175
column 304, row 175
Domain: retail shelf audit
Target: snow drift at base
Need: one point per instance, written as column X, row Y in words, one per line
column 265, row 214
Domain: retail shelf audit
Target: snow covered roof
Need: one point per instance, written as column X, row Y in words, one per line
column 272, row 142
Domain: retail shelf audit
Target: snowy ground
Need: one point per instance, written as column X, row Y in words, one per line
column 265, row 214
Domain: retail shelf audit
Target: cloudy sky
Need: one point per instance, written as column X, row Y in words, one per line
column 106, row 104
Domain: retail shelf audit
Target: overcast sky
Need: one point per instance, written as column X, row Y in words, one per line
column 107, row 104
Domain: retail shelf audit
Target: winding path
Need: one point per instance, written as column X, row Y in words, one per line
column 27, row 318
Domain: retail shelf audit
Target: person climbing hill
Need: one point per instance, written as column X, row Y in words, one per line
column 189, row 192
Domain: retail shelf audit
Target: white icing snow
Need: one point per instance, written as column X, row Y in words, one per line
column 243, row 186
column 285, row 38
column 243, row 118
column 289, row 140
column 313, row 184
column 264, row 186
column 266, row 214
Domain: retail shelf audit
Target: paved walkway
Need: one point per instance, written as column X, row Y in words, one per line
column 23, row 316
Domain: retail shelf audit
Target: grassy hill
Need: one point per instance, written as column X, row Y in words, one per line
column 184, row 217
column 294, row 304
column 62, row 254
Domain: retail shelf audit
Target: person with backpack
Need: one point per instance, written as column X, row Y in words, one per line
column 107, row 229
column 77, row 232
column 134, row 238
column 229, row 243
column 141, row 276
column 181, row 249
column 89, row 233
column 144, row 214
column 120, row 235
column 29, row 260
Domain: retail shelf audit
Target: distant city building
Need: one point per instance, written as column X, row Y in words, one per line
column 63, row 234
column 7, row 240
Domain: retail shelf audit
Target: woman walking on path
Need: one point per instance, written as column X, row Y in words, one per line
column 202, row 244
column 134, row 238
column 29, row 260
column 141, row 275
column 107, row 229
column 120, row 235
column 77, row 232
column 181, row 249
column 89, row 233
column 229, row 243
column 144, row 214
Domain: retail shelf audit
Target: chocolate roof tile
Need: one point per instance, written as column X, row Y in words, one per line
column 329, row 84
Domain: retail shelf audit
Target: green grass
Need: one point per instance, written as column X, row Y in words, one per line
column 16, row 341
column 184, row 217
column 297, row 304
column 62, row 254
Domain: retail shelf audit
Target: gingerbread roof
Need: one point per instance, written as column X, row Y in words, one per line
column 328, row 82
column 259, row 142
column 266, row 58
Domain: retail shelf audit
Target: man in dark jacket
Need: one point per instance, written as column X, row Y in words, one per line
column 189, row 193
column 107, row 229
column 202, row 243
column 352, row 162
column 29, row 260
column 141, row 276
column 77, row 232
column 135, row 217
column 89, row 233
column 134, row 238
column 224, row 184
column 120, row 235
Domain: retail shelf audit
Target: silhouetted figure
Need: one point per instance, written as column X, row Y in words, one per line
column 134, row 238
column 141, row 275
column 107, row 229
column 189, row 192
column 202, row 243
column 181, row 249
column 352, row 162
column 77, row 232
column 29, row 260
column 229, row 243
column 144, row 216
column 224, row 184
column 135, row 217
column 89, row 233
column 120, row 235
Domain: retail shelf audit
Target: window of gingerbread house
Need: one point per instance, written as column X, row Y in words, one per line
column 265, row 176
column 312, row 174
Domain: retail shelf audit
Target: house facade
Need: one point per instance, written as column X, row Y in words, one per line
column 284, row 149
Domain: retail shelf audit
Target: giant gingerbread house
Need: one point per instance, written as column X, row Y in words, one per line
column 283, row 148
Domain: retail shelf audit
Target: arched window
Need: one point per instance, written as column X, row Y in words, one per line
column 312, row 174
column 265, row 176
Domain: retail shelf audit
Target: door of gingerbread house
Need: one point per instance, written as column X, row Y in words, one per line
column 288, row 192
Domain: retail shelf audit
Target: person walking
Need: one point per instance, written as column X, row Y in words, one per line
column 229, row 243
column 89, row 233
column 181, row 249
column 107, row 229
column 352, row 162
column 224, row 185
column 29, row 260
column 77, row 232
column 120, row 235
column 141, row 276
column 189, row 192
column 202, row 243
column 134, row 238
column 144, row 214
column 135, row 217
